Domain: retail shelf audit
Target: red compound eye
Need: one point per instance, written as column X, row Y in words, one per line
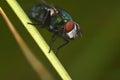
column 69, row 26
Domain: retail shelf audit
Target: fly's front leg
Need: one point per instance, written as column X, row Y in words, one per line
column 54, row 37
column 65, row 43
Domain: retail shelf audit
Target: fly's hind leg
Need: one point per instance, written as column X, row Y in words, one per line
column 54, row 37
column 66, row 41
column 35, row 24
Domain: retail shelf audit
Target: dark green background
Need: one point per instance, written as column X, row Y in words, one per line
column 95, row 56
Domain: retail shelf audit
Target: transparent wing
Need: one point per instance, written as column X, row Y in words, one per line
column 43, row 2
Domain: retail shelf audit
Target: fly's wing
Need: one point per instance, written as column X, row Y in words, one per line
column 43, row 2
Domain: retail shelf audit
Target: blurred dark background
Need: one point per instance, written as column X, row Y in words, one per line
column 95, row 56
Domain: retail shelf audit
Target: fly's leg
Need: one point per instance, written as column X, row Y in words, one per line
column 35, row 24
column 54, row 37
column 65, row 43
column 46, row 18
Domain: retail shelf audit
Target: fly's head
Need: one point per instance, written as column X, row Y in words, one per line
column 72, row 29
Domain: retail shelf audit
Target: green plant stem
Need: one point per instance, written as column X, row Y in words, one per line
column 39, row 39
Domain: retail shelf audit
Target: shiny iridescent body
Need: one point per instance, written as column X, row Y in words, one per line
column 57, row 21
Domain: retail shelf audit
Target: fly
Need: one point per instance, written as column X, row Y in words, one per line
column 55, row 20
